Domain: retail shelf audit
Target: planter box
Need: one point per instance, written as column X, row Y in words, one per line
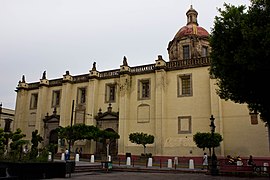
column 35, row 170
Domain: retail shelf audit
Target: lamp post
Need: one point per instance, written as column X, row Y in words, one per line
column 70, row 133
column 213, row 170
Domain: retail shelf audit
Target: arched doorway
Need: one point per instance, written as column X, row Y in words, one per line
column 53, row 139
column 107, row 121
column 50, row 125
column 101, row 148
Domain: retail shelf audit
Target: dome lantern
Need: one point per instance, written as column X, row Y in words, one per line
column 192, row 16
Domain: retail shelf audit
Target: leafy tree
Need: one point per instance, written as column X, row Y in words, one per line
column 82, row 131
column 92, row 133
column 107, row 137
column 16, row 144
column 240, row 42
column 36, row 138
column 51, row 148
column 205, row 140
column 2, row 142
column 78, row 132
column 141, row 139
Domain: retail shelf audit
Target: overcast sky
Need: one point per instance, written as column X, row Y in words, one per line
column 60, row 35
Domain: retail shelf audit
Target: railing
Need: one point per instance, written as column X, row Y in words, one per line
column 33, row 85
column 186, row 63
column 81, row 78
column 143, row 69
column 109, row 74
column 56, row 82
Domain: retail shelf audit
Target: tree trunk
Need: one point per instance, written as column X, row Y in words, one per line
column 108, row 148
column 209, row 151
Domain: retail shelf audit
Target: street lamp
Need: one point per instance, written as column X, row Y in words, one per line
column 70, row 133
column 213, row 170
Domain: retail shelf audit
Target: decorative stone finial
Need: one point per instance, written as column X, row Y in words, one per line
column 110, row 108
column 94, row 68
column 44, row 75
column 125, row 61
column 99, row 112
column 23, row 79
column 54, row 111
column 67, row 72
column 160, row 63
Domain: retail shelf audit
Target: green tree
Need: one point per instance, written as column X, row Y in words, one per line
column 141, row 139
column 2, row 142
column 36, row 138
column 16, row 144
column 240, row 42
column 107, row 137
column 205, row 140
column 78, row 132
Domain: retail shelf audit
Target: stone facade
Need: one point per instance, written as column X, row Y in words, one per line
column 6, row 119
column 171, row 100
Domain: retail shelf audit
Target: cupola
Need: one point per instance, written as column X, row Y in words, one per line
column 191, row 41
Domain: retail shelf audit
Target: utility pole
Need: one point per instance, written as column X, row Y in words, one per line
column 71, row 123
column 213, row 170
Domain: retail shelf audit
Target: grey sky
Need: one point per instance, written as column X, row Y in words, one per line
column 60, row 35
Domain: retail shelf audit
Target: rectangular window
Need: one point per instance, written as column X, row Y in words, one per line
column 81, row 96
column 186, row 52
column 34, row 101
column 184, row 125
column 79, row 116
column 56, row 98
column 110, row 93
column 144, row 89
column 204, row 51
column 184, row 85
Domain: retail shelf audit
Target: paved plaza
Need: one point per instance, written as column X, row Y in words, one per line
column 151, row 176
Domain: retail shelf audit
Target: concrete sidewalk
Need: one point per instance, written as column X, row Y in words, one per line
column 140, row 168
column 151, row 176
column 130, row 172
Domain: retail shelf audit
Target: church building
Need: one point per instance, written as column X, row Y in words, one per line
column 169, row 99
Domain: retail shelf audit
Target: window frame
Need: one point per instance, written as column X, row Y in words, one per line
column 180, row 119
column 55, row 102
column 142, row 93
column 204, row 51
column 181, row 87
column 79, row 95
column 34, row 101
column 186, row 52
column 108, row 93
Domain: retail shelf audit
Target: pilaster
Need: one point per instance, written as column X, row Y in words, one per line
column 93, row 90
column 42, row 104
column 124, row 101
column 66, row 102
column 160, row 104
column 21, row 108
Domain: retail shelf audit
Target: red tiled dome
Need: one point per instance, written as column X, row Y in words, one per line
column 191, row 29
